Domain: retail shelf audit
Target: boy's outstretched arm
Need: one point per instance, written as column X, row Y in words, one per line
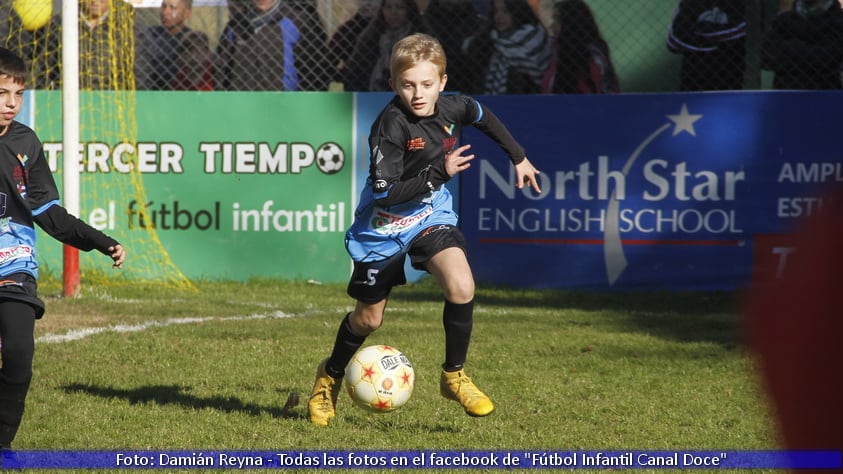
column 70, row 230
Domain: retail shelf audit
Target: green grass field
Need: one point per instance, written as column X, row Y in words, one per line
column 150, row 368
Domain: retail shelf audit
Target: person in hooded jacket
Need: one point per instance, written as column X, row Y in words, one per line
column 711, row 37
column 804, row 47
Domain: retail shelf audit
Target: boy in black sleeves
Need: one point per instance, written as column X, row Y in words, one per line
column 28, row 196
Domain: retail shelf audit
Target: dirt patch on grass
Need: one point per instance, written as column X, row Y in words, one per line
column 62, row 316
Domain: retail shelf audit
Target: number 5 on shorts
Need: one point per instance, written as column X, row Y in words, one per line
column 370, row 276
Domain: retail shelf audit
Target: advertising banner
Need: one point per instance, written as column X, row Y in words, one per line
column 638, row 191
column 668, row 191
column 235, row 185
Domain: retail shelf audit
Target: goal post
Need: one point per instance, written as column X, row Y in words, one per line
column 70, row 137
column 83, row 79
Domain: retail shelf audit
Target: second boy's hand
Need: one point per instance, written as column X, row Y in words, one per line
column 118, row 255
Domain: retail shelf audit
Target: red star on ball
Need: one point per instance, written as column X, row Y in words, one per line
column 368, row 372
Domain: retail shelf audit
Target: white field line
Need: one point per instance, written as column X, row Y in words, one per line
column 82, row 333
column 77, row 334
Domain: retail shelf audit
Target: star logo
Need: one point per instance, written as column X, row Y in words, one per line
column 684, row 121
column 612, row 243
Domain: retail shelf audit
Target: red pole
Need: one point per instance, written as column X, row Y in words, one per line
column 71, row 271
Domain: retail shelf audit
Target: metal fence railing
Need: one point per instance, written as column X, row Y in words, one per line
column 493, row 46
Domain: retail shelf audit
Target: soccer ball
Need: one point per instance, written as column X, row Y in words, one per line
column 33, row 14
column 379, row 378
column 330, row 158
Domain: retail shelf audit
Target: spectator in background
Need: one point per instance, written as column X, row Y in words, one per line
column 272, row 45
column 33, row 38
column 581, row 62
column 196, row 71
column 106, row 32
column 341, row 44
column 482, row 7
column 804, row 47
column 172, row 49
column 452, row 22
column 314, row 65
column 513, row 48
column 368, row 67
column 711, row 37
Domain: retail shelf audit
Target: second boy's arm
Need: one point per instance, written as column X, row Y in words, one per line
column 68, row 229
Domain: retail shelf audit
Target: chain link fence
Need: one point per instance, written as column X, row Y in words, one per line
column 493, row 46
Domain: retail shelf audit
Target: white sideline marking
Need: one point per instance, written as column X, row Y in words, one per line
column 78, row 334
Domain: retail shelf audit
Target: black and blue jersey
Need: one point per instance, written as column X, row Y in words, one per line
column 28, row 196
column 404, row 193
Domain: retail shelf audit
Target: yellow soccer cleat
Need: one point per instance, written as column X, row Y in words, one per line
column 323, row 399
column 458, row 387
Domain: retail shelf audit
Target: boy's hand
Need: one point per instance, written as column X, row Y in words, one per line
column 118, row 254
column 526, row 173
column 455, row 162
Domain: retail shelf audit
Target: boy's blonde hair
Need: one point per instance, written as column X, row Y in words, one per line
column 412, row 50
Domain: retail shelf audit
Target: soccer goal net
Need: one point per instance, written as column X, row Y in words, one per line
column 108, row 180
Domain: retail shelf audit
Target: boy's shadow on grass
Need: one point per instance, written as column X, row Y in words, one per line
column 675, row 315
column 178, row 395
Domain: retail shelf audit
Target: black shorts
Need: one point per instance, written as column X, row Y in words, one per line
column 22, row 287
column 373, row 281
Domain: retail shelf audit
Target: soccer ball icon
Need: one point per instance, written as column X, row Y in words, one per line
column 330, row 158
column 379, row 378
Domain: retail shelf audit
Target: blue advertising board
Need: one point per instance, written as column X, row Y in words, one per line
column 667, row 191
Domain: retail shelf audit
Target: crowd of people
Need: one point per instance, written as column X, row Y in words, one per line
column 495, row 46
column 272, row 44
column 283, row 45
column 803, row 47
